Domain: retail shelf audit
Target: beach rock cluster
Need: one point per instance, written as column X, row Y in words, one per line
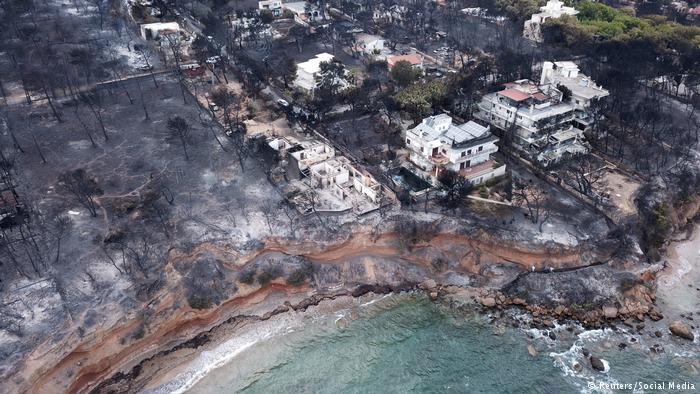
column 630, row 311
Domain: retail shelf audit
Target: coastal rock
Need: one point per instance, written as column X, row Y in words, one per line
column 681, row 330
column 499, row 330
column 655, row 314
column 518, row 301
column 585, row 352
column 433, row 295
column 656, row 349
column 552, row 336
column 658, row 334
column 610, row 312
column 597, row 364
column 488, row 302
column 341, row 323
column 578, row 367
column 531, row 349
column 428, row 284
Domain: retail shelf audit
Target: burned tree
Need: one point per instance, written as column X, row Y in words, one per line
column 455, row 189
column 180, row 129
column 230, row 105
column 93, row 100
column 83, row 187
column 582, row 173
column 533, row 198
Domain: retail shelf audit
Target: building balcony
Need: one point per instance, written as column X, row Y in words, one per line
column 439, row 159
column 481, row 169
column 477, row 153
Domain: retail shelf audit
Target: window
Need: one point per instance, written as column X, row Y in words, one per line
column 469, row 152
column 408, row 142
column 464, row 153
column 481, row 148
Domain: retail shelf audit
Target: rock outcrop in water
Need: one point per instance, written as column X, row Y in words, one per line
column 597, row 364
column 681, row 330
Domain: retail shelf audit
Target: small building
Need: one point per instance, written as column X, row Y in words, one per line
column 437, row 143
column 415, row 59
column 369, row 44
column 154, row 31
column 304, row 12
column 274, row 6
column 553, row 9
column 308, row 70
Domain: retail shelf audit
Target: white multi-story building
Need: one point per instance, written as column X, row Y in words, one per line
column 274, row 6
column 553, row 9
column 584, row 91
column 538, row 118
column 436, row 143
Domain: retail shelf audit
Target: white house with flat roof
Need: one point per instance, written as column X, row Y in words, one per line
column 274, row 6
column 437, row 143
column 303, row 12
column 553, row 9
column 369, row 44
column 153, row 31
column 308, row 70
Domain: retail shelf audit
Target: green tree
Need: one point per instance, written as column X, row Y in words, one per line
column 404, row 73
column 419, row 99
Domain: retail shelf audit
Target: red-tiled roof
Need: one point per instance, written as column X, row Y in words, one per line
column 540, row 96
column 514, row 94
column 415, row 59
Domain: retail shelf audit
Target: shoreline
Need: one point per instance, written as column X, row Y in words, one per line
column 185, row 331
column 156, row 368
column 81, row 363
column 469, row 299
column 223, row 350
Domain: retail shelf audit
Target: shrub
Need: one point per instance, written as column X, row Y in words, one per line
column 483, row 192
column 247, row 276
column 269, row 274
column 199, row 303
column 299, row 276
column 439, row 264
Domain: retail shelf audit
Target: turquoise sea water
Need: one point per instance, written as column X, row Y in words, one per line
column 405, row 343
